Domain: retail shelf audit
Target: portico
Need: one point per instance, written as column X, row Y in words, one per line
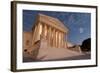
column 51, row 30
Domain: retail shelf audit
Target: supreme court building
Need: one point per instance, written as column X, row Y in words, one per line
column 48, row 32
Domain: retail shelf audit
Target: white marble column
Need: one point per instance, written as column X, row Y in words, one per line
column 63, row 40
column 51, row 41
column 43, row 31
column 45, row 28
column 54, row 37
column 40, row 29
column 35, row 34
column 49, row 35
column 60, row 40
column 42, row 35
column 57, row 37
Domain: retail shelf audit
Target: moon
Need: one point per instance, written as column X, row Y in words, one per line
column 81, row 30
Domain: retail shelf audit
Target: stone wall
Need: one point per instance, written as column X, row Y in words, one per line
column 27, row 40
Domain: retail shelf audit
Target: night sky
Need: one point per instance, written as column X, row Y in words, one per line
column 79, row 24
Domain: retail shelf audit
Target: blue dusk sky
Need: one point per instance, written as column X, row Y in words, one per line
column 79, row 24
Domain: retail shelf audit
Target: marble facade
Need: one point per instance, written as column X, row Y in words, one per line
column 50, row 29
